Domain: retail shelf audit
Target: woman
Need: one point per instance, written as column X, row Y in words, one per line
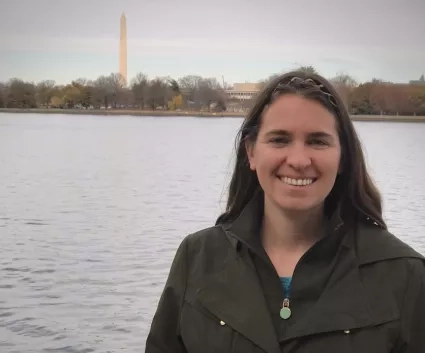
column 301, row 260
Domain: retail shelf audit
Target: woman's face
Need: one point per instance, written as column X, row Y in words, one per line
column 297, row 153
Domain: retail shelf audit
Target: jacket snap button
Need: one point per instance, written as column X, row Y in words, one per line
column 222, row 323
column 346, row 331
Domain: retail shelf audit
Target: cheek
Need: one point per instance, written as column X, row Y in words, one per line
column 269, row 161
column 329, row 164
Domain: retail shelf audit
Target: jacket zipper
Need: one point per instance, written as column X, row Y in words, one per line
column 285, row 311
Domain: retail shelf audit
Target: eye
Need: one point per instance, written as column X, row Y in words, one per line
column 319, row 142
column 279, row 140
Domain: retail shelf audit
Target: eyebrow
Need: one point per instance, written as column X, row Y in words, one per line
column 315, row 134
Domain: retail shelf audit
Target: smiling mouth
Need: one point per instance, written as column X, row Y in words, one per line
column 297, row 182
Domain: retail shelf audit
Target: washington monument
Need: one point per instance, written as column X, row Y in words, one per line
column 123, row 48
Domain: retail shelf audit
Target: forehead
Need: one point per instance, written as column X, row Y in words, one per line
column 293, row 112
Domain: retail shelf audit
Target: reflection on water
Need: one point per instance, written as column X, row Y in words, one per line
column 93, row 208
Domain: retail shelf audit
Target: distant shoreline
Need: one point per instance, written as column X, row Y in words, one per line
column 167, row 113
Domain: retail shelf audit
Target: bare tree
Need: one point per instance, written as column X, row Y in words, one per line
column 158, row 94
column 188, row 86
column 72, row 95
column 81, row 81
column 21, row 94
column 45, row 92
column 378, row 95
column 345, row 85
column 116, row 87
column 416, row 98
column 308, row 70
column 109, row 91
column 3, row 95
column 208, row 92
column 103, row 92
column 139, row 87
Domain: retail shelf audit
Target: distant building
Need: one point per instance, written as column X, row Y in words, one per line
column 243, row 91
column 421, row 81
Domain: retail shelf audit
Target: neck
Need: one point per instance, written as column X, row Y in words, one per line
column 291, row 230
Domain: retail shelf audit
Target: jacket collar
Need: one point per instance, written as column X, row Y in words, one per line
column 374, row 244
column 246, row 227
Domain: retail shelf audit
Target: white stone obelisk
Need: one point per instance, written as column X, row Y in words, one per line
column 123, row 49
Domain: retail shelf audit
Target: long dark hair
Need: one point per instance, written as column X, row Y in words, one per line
column 354, row 194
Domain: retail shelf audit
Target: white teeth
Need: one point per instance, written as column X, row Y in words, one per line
column 297, row 182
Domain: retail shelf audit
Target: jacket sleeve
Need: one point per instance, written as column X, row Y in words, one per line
column 164, row 335
column 413, row 313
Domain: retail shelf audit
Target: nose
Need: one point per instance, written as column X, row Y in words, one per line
column 298, row 157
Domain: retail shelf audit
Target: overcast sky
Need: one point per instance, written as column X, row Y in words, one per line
column 243, row 40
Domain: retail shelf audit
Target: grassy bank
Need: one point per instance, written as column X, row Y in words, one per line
column 160, row 113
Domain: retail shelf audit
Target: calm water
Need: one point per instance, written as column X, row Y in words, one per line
column 93, row 208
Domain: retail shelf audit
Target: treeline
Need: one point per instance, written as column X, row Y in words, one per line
column 378, row 97
column 109, row 92
column 196, row 93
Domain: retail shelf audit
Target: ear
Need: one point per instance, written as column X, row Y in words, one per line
column 249, row 148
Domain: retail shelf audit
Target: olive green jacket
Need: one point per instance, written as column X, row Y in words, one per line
column 355, row 291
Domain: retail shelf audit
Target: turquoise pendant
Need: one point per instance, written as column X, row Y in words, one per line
column 285, row 313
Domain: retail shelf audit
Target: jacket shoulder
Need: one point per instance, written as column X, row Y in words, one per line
column 207, row 242
column 206, row 235
column 374, row 244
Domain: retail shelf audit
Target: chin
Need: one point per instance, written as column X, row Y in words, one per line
column 297, row 206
